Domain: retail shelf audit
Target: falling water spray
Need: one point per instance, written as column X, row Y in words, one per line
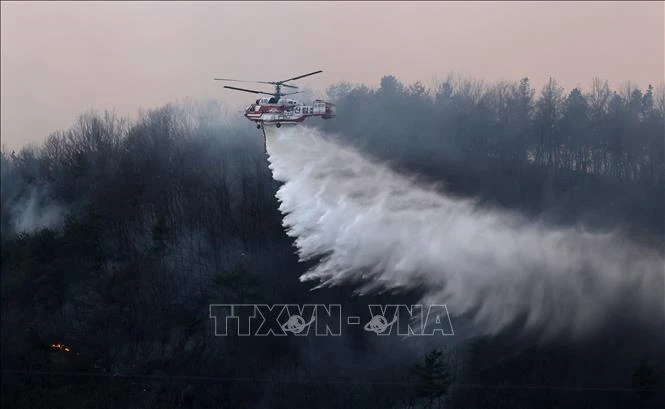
column 379, row 229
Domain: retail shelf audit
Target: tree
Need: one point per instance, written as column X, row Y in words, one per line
column 338, row 91
column 575, row 128
column 548, row 116
column 645, row 378
column 434, row 377
column 391, row 85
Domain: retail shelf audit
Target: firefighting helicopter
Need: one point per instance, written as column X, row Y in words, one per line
column 276, row 110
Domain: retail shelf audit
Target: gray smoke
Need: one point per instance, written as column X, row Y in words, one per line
column 372, row 226
column 35, row 212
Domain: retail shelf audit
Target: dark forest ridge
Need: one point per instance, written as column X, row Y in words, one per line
column 117, row 235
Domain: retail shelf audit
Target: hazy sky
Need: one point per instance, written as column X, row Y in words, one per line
column 61, row 59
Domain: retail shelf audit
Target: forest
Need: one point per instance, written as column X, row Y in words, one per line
column 118, row 234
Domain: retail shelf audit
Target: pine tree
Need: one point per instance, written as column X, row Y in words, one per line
column 434, row 377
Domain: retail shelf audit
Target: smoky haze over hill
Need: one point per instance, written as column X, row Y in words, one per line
column 117, row 235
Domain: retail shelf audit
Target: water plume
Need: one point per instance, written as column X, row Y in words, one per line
column 376, row 228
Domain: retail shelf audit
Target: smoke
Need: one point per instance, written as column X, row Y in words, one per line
column 34, row 212
column 381, row 230
column 27, row 204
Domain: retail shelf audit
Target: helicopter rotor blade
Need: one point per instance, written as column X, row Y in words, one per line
column 229, row 79
column 254, row 82
column 247, row 90
column 300, row 76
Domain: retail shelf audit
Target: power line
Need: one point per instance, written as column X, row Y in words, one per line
column 327, row 382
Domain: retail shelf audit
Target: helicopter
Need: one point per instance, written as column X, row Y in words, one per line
column 277, row 110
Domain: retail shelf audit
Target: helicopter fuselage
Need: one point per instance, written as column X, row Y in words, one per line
column 287, row 111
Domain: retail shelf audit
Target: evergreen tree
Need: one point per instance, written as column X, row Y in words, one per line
column 434, row 377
